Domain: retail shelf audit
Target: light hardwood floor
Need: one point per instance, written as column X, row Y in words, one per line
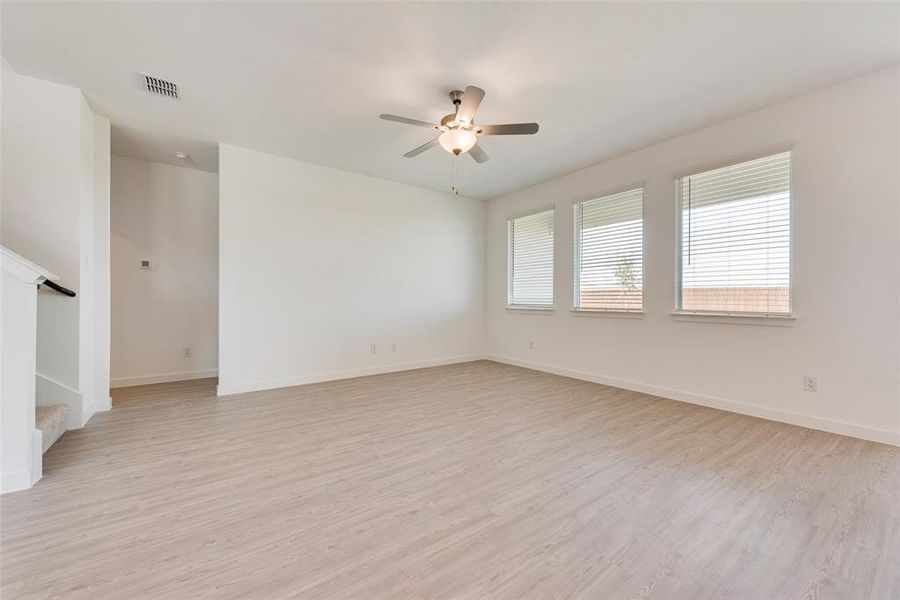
column 476, row 480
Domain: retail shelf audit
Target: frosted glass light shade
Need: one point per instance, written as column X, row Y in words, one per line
column 457, row 141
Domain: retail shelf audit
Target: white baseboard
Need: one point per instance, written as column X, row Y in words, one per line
column 102, row 400
column 255, row 386
column 13, row 482
column 87, row 412
column 37, row 456
column 25, row 479
column 103, row 405
column 121, row 382
column 864, row 432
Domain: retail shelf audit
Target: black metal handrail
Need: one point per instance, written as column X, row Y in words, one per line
column 58, row 288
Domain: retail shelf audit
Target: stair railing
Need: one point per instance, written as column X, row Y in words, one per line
column 58, row 288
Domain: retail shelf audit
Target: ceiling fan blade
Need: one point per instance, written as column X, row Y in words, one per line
column 511, row 129
column 472, row 97
column 419, row 150
column 478, row 154
column 417, row 122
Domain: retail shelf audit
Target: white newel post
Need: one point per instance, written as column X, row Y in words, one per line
column 20, row 441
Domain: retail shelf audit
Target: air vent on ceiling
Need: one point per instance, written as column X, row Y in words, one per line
column 160, row 87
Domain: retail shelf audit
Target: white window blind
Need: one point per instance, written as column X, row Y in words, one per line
column 609, row 249
column 736, row 238
column 531, row 260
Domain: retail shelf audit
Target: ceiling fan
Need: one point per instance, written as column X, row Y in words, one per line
column 459, row 133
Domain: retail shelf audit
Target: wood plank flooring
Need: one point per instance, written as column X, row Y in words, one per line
column 476, row 480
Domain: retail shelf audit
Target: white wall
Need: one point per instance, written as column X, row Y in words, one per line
column 168, row 215
column 846, row 228
column 20, row 441
column 53, row 183
column 317, row 264
column 54, row 194
column 41, row 186
column 86, row 265
column 100, row 263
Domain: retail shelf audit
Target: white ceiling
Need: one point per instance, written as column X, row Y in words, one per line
column 308, row 80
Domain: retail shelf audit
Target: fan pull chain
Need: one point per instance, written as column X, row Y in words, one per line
column 455, row 187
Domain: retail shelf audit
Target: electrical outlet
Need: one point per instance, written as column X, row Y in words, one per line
column 531, row 344
column 810, row 383
column 394, row 347
column 187, row 353
column 146, row 263
column 373, row 349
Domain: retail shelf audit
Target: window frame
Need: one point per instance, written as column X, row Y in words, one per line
column 576, row 255
column 510, row 261
column 736, row 317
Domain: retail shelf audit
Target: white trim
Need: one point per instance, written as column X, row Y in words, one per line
column 255, row 386
column 37, row 456
column 65, row 387
column 612, row 192
column 736, row 159
column 103, row 405
column 735, row 318
column 120, row 382
column 25, row 479
column 532, row 211
column 599, row 312
column 13, row 482
column 87, row 411
column 23, row 268
column 545, row 310
column 863, row 432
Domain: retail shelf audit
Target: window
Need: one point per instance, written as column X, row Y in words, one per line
column 736, row 238
column 609, row 248
column 531, row 260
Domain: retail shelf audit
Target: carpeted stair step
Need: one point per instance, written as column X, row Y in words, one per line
column 51, row 420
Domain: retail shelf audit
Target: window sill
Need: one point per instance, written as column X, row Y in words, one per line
column 540, row 310
column 735, row 319
column 615, row 314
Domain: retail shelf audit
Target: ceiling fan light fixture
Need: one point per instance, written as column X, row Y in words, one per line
column 458, row 132
column 457, row 141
